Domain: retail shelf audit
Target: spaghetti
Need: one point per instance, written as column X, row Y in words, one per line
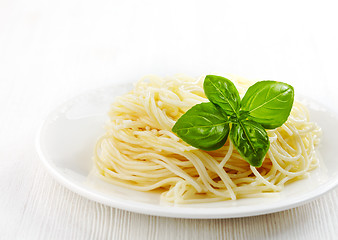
column 139, row 151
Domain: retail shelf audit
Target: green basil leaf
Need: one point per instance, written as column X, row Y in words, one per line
column 251, row 141
column 204, row 126
column 222, row 92
column 268, row 103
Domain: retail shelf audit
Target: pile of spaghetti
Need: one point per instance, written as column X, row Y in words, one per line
column 139, row 151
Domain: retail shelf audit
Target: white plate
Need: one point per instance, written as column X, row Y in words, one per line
column 66, row 141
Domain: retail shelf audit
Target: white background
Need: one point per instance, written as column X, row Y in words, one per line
column 53, row 50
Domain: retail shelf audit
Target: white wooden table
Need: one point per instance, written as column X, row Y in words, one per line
column 53, row 50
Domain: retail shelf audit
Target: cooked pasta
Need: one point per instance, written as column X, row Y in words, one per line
column 139, row 151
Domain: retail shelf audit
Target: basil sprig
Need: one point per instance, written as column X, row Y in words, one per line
column 265, row 105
